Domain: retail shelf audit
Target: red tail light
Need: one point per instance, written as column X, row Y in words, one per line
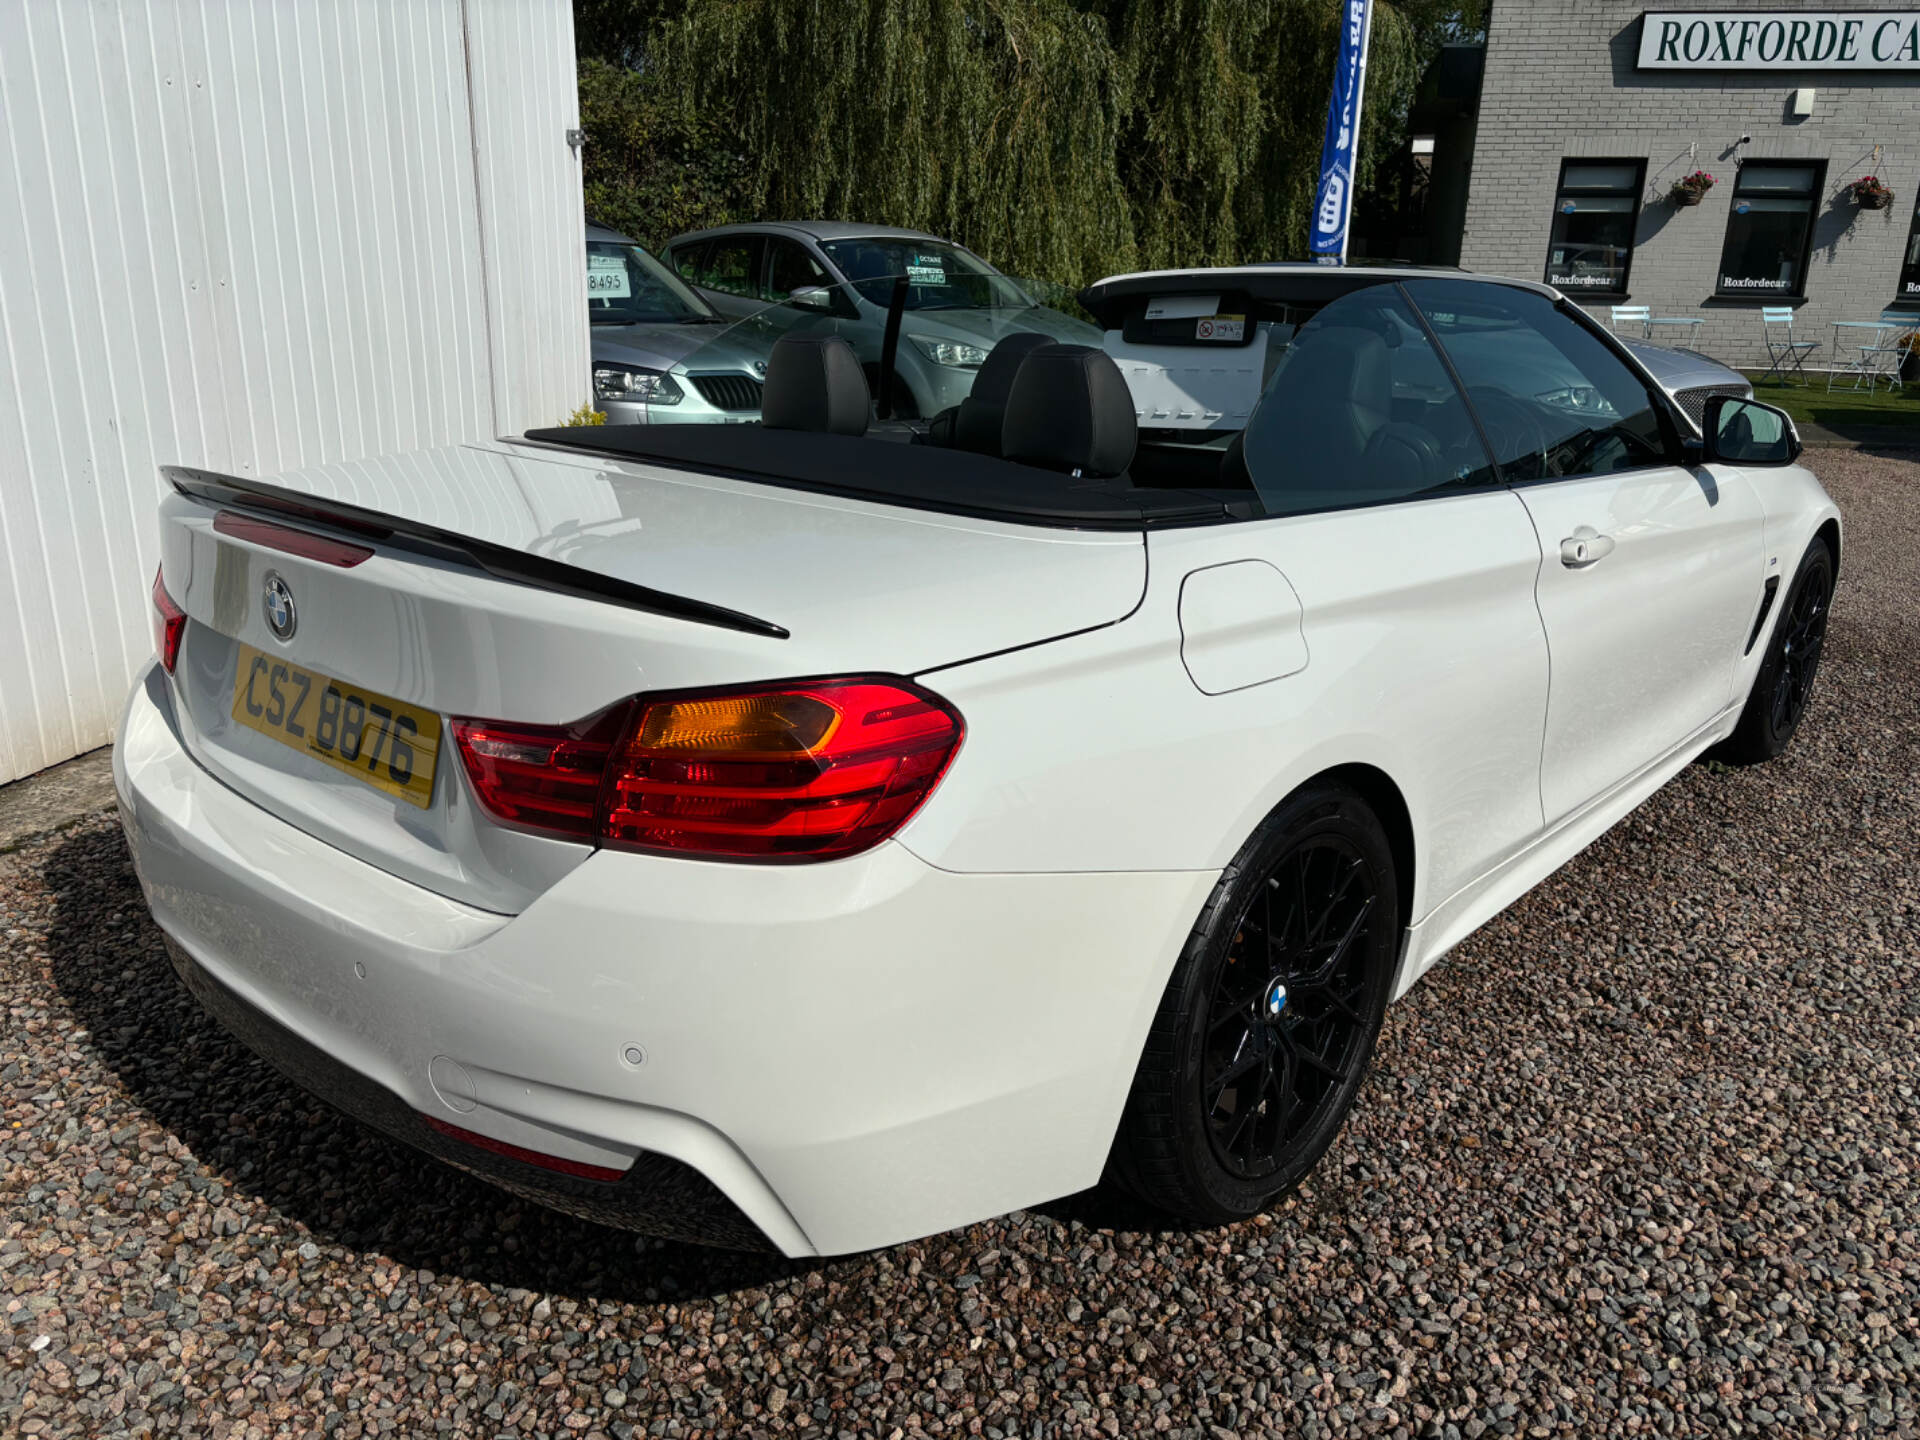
column 806, row 772
column 541, row 777
column 169, row 623
column 809, row 771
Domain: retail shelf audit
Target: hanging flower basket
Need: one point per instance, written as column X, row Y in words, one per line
column 1691, row 189
column 1870, row 193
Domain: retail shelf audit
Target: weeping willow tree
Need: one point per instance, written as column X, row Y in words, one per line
column 993, row 121
column 1221, row 153
column 1059, row 139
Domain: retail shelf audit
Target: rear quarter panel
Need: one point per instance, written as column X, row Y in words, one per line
column 1100, row 752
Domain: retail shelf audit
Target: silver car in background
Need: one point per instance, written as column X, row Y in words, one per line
column 1690, row 377
column 646, row 323
column 957, row 306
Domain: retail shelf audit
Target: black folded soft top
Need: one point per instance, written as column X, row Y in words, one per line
column 925, row 477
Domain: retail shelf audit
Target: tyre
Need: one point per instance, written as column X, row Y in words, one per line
column 1266, row 1028
column 1784, row 683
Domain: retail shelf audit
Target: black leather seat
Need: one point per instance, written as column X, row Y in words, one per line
column 1330, row 413
column 1070, row 409
column 1345, row 384
column 974, row 424
column 814, row 382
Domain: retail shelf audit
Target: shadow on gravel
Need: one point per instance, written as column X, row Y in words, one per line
column 260, row 1135
column 1108, row 1207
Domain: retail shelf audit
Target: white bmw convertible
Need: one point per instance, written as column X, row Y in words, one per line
column 828, row 831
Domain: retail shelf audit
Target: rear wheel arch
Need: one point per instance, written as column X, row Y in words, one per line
column 1167, row 1148
column 1389, row 806
column 1382, row 795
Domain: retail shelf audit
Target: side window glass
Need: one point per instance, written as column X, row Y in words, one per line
column 685, row 260
column 1770, row 229
column 1595, row 214
column 1555, row 401
column 791, row 268
column 1909, row 283
column 1360, row 411
column 730, row 265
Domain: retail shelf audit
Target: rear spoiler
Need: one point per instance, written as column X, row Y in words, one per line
column 503, row 562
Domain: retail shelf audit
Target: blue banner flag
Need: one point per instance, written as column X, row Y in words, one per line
column 1340, row 154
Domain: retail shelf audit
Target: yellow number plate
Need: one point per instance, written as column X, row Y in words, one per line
column 382, row 742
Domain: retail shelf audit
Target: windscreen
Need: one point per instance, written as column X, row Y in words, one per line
column 1555, row 401
column 627, row 286
column 939, row 276
column 940, row 353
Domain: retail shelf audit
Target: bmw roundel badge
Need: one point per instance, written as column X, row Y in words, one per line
column 277, row 602
column 1276, row 999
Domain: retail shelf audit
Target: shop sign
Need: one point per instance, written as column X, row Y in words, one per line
column 1776, row 40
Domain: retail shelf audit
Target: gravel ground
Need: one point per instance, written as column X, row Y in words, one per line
column 1639, row 1159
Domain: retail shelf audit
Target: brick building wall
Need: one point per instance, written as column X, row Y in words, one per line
column 1561, row 82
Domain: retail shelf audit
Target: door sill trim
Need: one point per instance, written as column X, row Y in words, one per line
column 1477, row 902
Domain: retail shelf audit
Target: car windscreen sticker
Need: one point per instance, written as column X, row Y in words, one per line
column 926, row 270
column 607, row 277
column 1229, row 328
column 1181, row 307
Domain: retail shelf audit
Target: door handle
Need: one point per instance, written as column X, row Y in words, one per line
column 1586, row 546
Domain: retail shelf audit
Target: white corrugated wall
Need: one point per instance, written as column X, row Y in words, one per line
column 253, row 235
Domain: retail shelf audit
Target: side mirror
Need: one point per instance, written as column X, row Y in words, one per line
column 1745, row 432
column 812, row 297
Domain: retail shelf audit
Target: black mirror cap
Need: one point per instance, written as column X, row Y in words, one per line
column 1676, row 426
column 1710, row 431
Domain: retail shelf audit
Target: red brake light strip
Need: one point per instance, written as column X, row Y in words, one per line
column 303, row 543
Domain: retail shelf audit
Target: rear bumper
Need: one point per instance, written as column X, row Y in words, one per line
column 659, row 1194
column 846, row 1055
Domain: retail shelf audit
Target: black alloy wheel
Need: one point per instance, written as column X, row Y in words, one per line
column 1263, row 1035
column 1284, row 1031
column 1805, row 635
column 1784, row 684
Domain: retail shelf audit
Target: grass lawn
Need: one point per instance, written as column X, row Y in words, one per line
column 1809, row 402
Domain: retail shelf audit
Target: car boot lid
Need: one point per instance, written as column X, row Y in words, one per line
column 831, row 583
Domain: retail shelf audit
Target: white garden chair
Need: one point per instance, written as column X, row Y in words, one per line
column 1783, row 351
column 1638, row 315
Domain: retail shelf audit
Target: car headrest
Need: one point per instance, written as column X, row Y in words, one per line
column 1350, row 367
column 1070, row 409
column 977, row 425
column 814, row 382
